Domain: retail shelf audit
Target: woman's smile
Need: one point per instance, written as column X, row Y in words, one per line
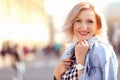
column 83, row 33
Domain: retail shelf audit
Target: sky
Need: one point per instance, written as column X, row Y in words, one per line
column 56, row 7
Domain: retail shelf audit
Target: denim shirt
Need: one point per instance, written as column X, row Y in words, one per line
column 101, row 62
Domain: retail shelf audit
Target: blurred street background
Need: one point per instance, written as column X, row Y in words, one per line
column 30, row 33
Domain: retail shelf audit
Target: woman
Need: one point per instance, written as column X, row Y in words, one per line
column 90, row 57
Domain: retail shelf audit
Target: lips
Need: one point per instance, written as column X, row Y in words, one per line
column 84, row 33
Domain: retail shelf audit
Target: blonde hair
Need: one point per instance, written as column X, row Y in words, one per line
column 67, row 27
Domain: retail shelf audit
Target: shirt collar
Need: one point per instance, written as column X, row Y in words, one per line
column 91, row 41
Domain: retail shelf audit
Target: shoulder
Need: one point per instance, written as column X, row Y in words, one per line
column 103, row 52
column 103, row 47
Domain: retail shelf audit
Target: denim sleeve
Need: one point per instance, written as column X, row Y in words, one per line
column 110, row 68
column 109, row 63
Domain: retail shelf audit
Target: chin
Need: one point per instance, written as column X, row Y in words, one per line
column 83, row 39
column 86, row 38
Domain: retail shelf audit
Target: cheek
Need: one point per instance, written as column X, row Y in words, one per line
column 93, row 30
column 74, row 28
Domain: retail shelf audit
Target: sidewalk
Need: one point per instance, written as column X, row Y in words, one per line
column 38, row 67
column 6, row 61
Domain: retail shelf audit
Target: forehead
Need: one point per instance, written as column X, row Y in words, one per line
column 86, row 13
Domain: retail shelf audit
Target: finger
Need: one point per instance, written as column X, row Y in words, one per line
column 67, row 67
column 67, row 60
column 67, row 63
column 63, row 69
column 83, row 43
column 79, row 44
column 86, row 42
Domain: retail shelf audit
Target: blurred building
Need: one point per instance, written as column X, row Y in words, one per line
column 112, row 12
column 24, row 21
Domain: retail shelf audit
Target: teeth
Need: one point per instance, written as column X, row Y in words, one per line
column 83, row 32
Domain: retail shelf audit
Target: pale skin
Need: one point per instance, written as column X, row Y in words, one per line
column 84, row 27
column 61, row 68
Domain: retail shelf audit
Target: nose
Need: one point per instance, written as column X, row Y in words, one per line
column 84, row 26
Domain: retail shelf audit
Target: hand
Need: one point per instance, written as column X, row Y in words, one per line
column 81, row 50
column 61, row 68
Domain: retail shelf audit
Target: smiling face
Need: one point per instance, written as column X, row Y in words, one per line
column 85, row 25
